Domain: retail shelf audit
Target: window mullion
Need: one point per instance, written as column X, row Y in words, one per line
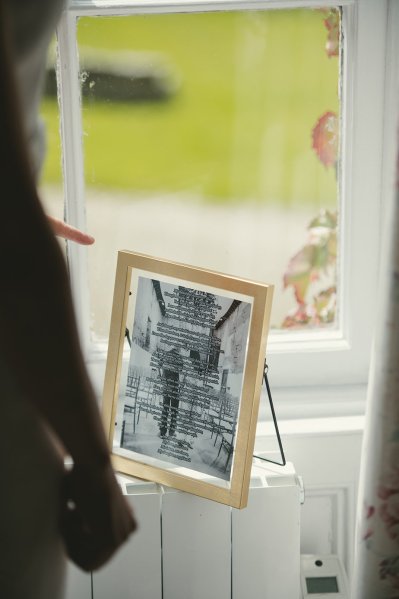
column 72, row 158
column 125, row 7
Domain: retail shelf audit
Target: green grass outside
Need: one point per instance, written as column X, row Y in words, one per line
column 239, row 127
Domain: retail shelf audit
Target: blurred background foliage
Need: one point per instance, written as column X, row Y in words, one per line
column 245, row 92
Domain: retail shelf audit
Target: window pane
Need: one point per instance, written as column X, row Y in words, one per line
column 198, row 133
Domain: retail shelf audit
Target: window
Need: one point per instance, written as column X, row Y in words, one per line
column 334, row 355
column 197, row 131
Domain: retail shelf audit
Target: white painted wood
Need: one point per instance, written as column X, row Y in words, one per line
column 326, row 517
column 73, row 168
column 78, row 583
column 327, row 456
column 266, row 538
column 316, row 525
column 135, row 571
column 391, row 104
column 196, row 539
column 120, row 7
column 308, row 402
column 318, row 402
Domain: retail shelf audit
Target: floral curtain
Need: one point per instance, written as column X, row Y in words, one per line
column 376, row 574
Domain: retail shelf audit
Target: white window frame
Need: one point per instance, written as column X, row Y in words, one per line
column 313, row 373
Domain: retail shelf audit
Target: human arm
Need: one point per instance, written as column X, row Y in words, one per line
column 39, row 341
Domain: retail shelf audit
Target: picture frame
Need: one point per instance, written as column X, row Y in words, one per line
column 184, row 374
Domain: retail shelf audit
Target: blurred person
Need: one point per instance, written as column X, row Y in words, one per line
column 48, row 407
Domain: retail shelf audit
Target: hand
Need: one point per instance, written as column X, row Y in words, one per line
column 61, row 229
column 95, row 519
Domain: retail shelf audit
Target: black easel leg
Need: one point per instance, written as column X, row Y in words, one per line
column 283, row 460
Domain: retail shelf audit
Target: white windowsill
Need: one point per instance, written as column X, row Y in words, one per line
column 314, row 427
column 299, row 410
column 298, row 403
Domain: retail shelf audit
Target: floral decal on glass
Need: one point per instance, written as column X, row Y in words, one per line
column 311, row 272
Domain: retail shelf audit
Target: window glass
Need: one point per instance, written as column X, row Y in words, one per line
column 211, row 139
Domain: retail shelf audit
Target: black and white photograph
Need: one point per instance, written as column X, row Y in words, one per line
column 179, row 400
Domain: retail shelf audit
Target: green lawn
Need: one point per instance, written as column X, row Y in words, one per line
column 251, row 87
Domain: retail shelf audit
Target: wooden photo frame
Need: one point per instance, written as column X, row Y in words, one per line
column 184, row 375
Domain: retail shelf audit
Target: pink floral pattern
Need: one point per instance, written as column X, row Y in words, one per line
column 332, row 24
column 325, row 138
column 377, row 553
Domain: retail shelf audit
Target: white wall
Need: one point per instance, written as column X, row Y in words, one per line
column 326, row 454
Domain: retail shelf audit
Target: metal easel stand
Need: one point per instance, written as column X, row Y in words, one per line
column 283, row 460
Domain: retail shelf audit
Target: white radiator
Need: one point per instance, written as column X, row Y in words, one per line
column 192, row 548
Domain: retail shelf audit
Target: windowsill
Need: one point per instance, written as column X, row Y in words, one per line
column 314, row 427
column 299, row 410
column 299, row 403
